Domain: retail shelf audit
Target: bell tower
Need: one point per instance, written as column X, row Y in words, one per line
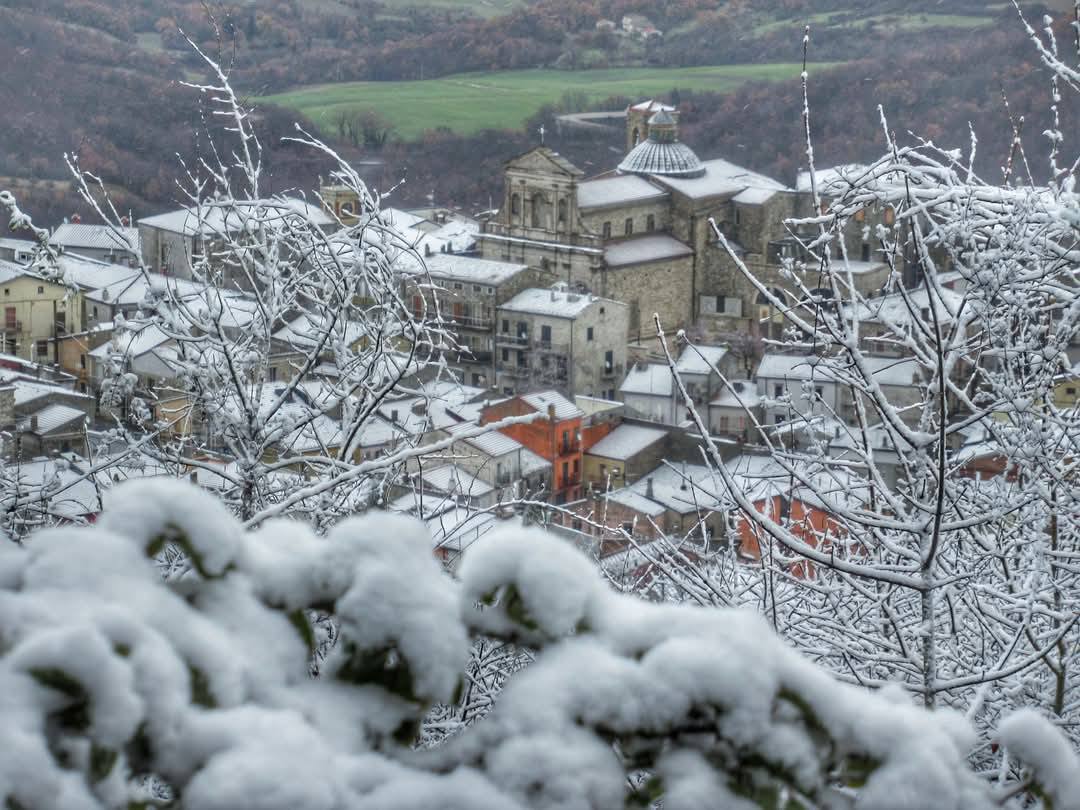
column 637, row 120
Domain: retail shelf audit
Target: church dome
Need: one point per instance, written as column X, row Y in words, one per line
column 662, row 153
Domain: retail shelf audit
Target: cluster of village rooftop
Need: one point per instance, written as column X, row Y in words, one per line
column 553, row 301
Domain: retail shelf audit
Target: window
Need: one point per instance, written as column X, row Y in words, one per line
column 508, row 391
column 95, row 312
column 271, row 373
column 476, row 288
column 506, row 355
column 458, row 285
column 521, row 359
column 545, row 335
column 628, row 226
column 42, row 348
column 778, row 391
column 609, row 361
column 650, row 223
column 819, row 391
column 778, row 419
column 1070, row 392
column 515, row 205
column 738, row 216
column 866, row 251
column 539, row 217
column 82, row 361
column 607, row 230
column 588, row 333
column 7, row 291
column 505, row 326
column 41, row 290
column 522, row 329
column 562, row 212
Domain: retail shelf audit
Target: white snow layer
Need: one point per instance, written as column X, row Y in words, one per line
column 108, row 672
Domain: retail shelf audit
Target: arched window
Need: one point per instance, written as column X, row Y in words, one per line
column 562, row 212
column 515, row 205
column 539, row 218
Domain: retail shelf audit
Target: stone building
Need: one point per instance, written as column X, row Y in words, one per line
column 557, row 338
column 467, row 291
column 643, row 233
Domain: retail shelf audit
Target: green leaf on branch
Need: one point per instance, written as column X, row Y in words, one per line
column 298, row 619
column 200, row 688
column 383, row 667
column 76, row 715
column 102, row 761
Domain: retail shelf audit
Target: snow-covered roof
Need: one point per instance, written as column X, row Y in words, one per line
column 51, row 417
column 17, row 245
column 886, row 370
column 893, row 310
column 216, row 219
column 858, row 268
column 456, row 236
column 532, row 462
column 626, row 441
column 303, row 333
column 832, row 181
column 10, row 270
column 617, row 190
column 686, row 488
column 700, row 359
column 402, row 219
column 471, row 269
column 564, row 408
column 493, row 443
column 650, row 248
column 453, row 480
column 648, row 378
column 556, row 303
column 133, row 342
column 591, row 406
column 27, row 390
column 734, row 398
column 721, row 178
column 92, row 274
column 755, row 196
column 73, row 236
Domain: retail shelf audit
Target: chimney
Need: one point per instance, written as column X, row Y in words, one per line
column 551, row 413
column 648, row 488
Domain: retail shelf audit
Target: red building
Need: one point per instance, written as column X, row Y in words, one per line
column 555, row 436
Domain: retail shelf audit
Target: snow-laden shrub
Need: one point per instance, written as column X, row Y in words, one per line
column 109, row 673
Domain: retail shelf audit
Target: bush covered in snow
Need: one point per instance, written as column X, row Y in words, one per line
column 110, row 674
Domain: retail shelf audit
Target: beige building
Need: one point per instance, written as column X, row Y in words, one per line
column 556, row 338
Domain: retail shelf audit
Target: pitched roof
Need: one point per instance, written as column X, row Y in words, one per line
column 457, row 267
column 564, row 408
column 626, row 441
column 700, row 359
column 721, row 177
column 648, row 378
column 617, row 191
column 96, row 237
column 453, row 480
column 651, row 248
column 556, row 303
column 493, row 443
column 51, row 418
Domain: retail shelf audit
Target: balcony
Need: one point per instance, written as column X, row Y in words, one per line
column 474, row 321
column 566, row 448
column 511, row 370
column 507, row 339
column 615, row 371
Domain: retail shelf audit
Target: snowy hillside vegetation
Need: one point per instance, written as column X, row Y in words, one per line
column 110, row 674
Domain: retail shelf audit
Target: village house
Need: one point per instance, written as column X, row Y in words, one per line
column 555, row 435
column 100, row 242
column 623, row 456
column 556, row 338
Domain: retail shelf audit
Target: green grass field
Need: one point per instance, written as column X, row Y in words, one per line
column 469, row 102
column 902, row 21
column 482, row 8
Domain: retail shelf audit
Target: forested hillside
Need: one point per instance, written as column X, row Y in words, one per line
column 99, row 77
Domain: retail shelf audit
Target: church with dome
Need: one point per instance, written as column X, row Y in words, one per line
column 640, row 234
